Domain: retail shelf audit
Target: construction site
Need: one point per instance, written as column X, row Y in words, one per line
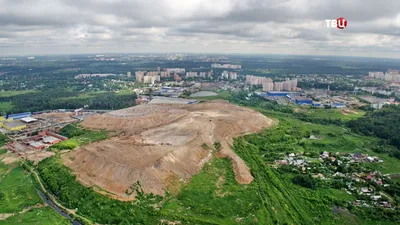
column 158, row 144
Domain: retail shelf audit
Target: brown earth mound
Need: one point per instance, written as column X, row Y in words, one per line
column 161, row 143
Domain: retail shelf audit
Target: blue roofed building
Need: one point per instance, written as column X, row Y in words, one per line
column 281, row 93
column 303, row 101
column 19, row 115
column 338, row 105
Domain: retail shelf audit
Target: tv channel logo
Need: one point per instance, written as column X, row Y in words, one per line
column 340, row 23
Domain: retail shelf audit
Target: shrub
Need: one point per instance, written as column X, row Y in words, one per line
column 304, row 181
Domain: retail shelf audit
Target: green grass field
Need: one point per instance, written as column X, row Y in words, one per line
column 331, row 113
column 5, row 106
column 4, row 168
column 86, row 138
column 14, row 93
column 39, row 216
column 213, row 196
column 19, row 191
column 221, row 95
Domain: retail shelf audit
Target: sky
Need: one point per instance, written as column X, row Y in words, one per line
column 29, row 27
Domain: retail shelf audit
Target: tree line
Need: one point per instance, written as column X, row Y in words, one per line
column 39, row 101
column 383, row 123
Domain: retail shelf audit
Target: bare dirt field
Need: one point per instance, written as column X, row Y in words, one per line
column 160, row 143
column 58, row 117
column 348, row 111
column 9, row 158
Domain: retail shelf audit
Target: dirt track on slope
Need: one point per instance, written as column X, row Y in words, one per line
column 160, row 142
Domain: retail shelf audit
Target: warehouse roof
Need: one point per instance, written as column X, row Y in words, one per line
column 166, row 100
column 25, row 114
column 50, row 139
column 28, row 119
column 13, row 124
column 36, row 144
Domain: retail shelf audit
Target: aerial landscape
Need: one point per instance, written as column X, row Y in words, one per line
column 112, row 117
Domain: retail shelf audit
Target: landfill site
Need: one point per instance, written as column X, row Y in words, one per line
column 157, row 144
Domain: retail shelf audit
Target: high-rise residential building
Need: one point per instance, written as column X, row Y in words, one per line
column 191, row 74
column 225, row 75
column 139, row 76
column 233, row 75
column 128, row 74
column 209, row 73
column 176, row 70
column 278, row 86
column 254, row 80
column 151, row 79
column 177, row 77
column 286, row 86
column 378, row 75
column 202, row 74
column 152, row 73
column 148, row 79
column 390, row 75
column 294, row 84
column 164, row 74
column 268, row 86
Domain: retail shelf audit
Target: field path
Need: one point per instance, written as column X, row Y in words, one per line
column 4, row 216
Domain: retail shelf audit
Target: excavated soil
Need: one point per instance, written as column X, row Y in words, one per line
column 160, row 143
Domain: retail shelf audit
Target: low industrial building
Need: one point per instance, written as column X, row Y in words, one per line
column 166, row 100
column 303, row 101
column 44, row 140
column 317, row 104
column 51, row 140
column 19, row 116
column 37, row 145
column 281, row 93
column 14, row 125
column 28, row 119
column 338, row 105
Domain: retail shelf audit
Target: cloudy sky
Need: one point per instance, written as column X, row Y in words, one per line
column 204, row 26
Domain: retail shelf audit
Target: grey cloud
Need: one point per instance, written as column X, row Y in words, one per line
column 167, row 25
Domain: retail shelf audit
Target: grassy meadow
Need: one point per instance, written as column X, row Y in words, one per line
column 18, row 193
column 37, row 216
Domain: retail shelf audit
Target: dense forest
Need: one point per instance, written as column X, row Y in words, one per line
column 383, row 123
column 38, row 101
